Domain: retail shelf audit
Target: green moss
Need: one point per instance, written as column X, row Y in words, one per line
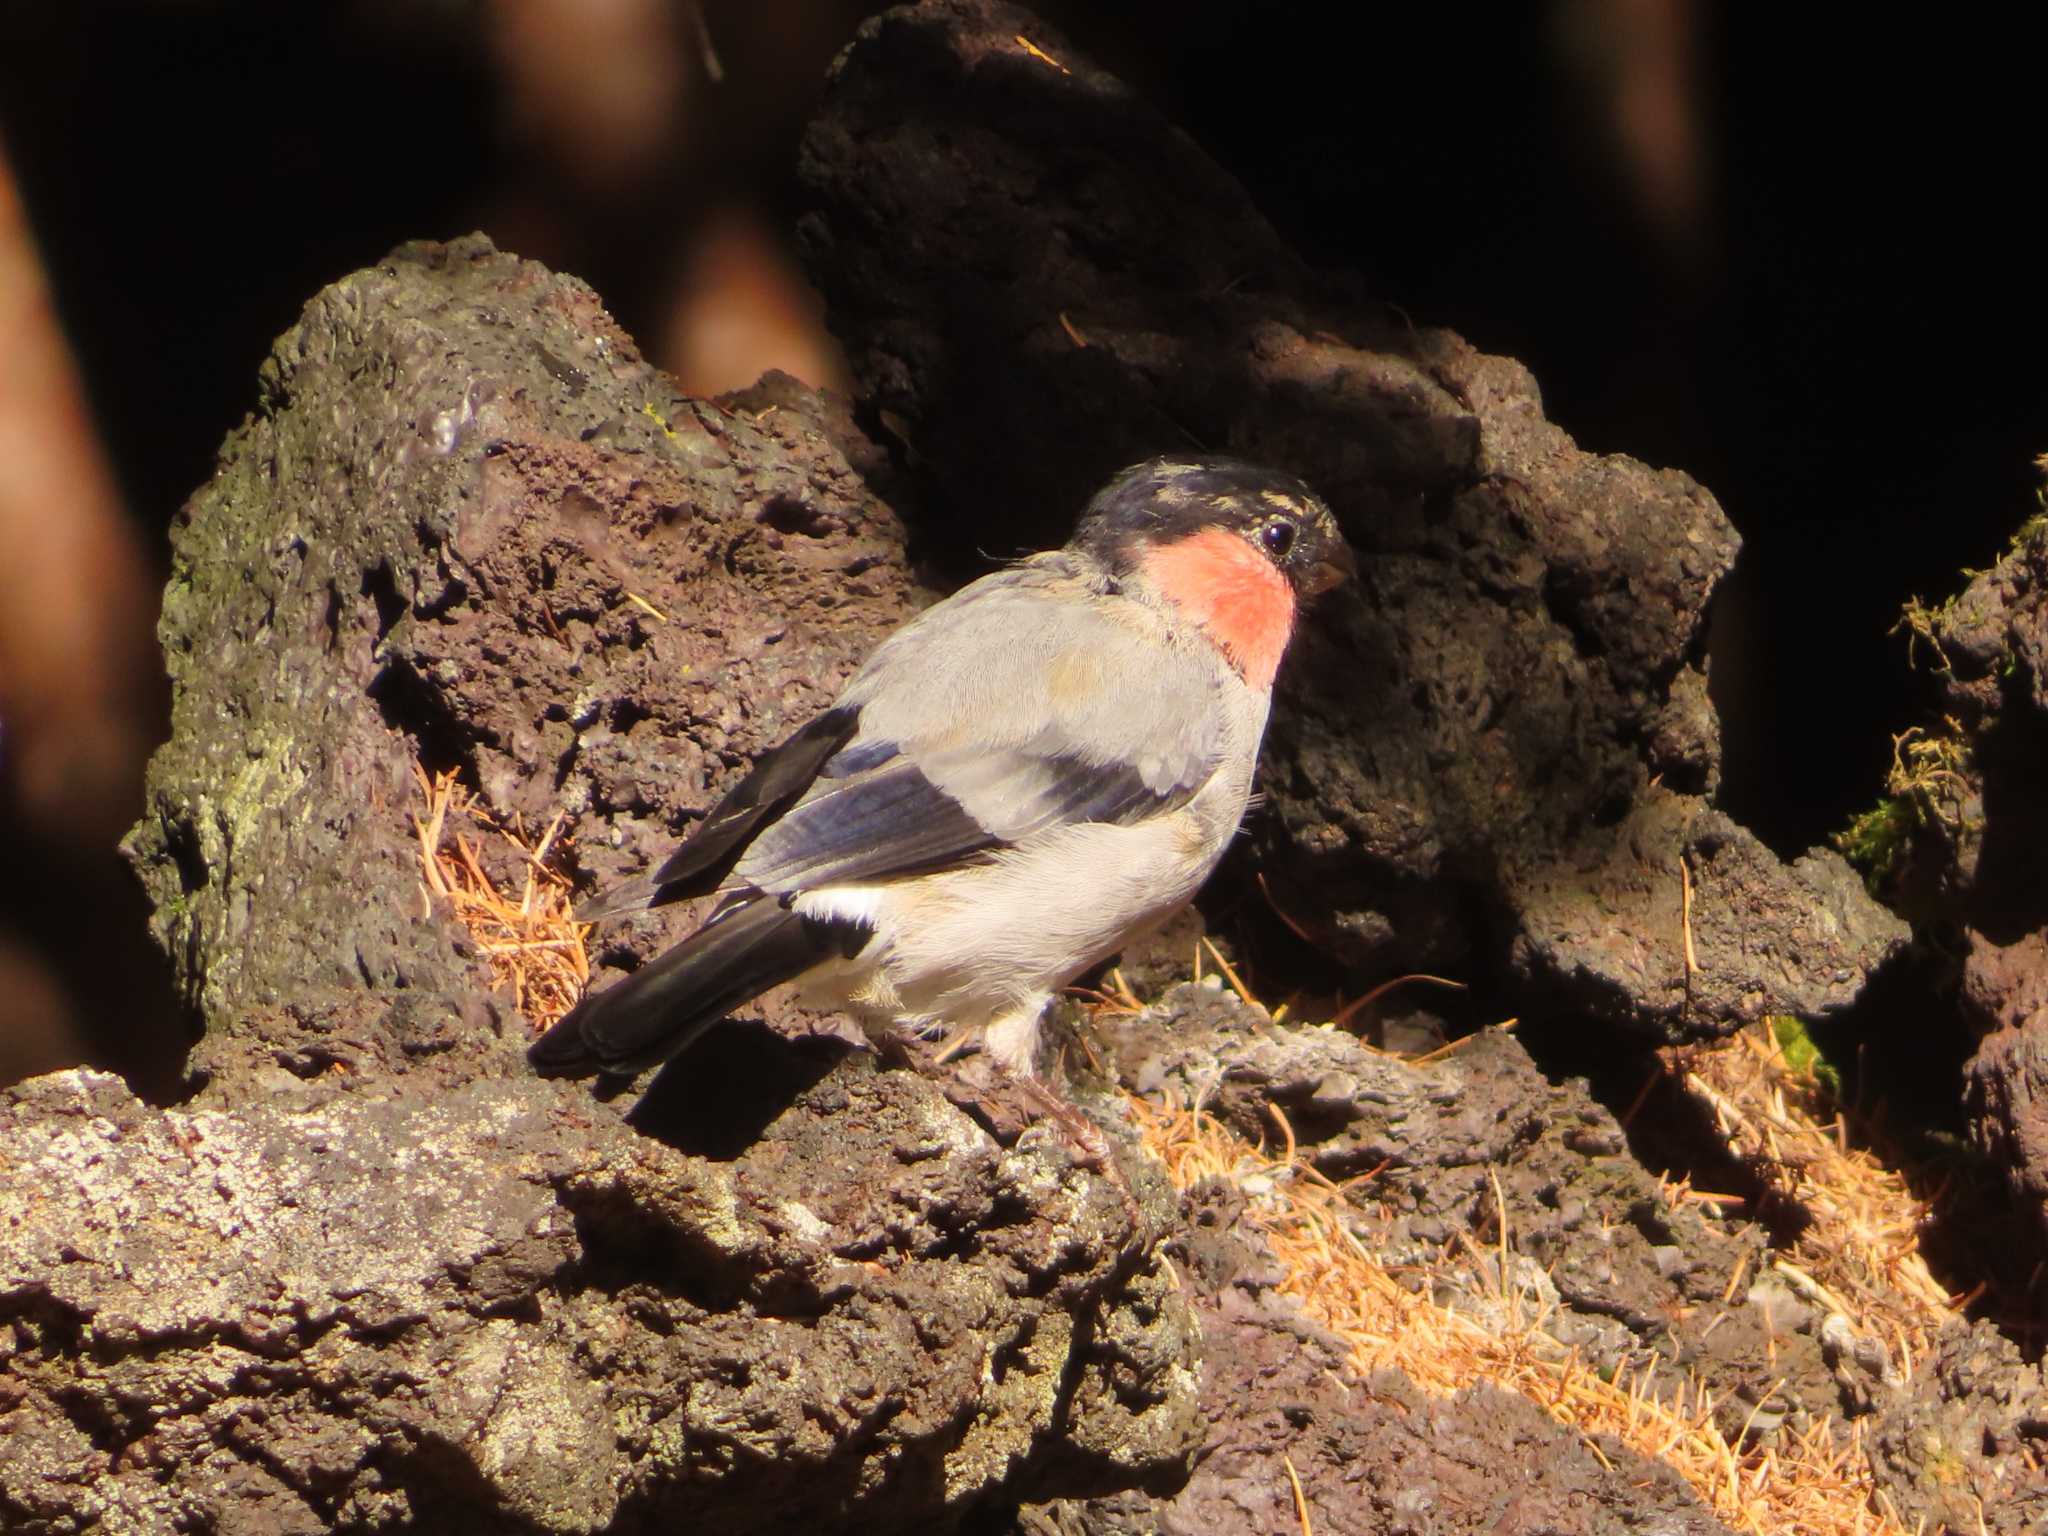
column 1803, row 1055
column 1876, row 841
column 1928, row 786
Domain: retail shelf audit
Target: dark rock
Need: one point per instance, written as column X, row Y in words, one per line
column 1961, row 1448
column 1378, row 1454
column 1374, row 1455
column 2007, row 1078
column 1971, row 790
column 1488, row 759
column 470, row 525
column 376, row 1273
column 1627, row 1278
column 497, row 1307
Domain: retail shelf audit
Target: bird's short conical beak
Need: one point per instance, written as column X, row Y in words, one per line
column 1339, row 565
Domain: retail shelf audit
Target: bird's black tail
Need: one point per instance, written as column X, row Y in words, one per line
column 667, row 1003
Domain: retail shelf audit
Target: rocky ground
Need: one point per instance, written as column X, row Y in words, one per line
column 371, row 1274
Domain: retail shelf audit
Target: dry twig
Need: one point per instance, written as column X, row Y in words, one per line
column 534, row 947
column 1812, row 1479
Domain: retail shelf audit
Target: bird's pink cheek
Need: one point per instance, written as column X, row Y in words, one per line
column 1231, row 590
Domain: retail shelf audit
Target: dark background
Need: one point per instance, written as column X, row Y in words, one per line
column 1794, row 259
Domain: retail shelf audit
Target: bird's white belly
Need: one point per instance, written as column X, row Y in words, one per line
column 974, row 947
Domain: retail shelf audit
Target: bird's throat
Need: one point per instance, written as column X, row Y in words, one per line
column 1220, row 582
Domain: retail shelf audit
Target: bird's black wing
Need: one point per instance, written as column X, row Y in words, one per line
column 778, row 778
column 925, row 811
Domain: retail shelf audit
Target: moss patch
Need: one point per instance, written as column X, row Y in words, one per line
column 1803, row 1055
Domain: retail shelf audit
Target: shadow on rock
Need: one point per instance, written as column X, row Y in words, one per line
column 716, row 1098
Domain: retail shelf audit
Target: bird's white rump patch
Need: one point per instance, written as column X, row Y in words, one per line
column 842, row 903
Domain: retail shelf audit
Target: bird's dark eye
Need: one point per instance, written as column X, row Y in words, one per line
column 1278, row 537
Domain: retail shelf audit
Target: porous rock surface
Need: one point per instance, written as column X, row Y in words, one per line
column 1627, row 1277
column 1492, row 757
column 1446, row 1163
column 1373, row 1454
column 1961, row 1451
column 1964, row 1448
column 376, row 1274
column 1980, row 843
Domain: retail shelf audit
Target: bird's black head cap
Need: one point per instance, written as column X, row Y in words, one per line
column 1164, row 500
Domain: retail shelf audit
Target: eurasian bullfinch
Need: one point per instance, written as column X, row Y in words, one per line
column 1017, row 782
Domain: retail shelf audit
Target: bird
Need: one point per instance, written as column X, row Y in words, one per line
column 1016, row 783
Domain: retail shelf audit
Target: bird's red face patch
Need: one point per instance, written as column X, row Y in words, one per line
column 1225, row 585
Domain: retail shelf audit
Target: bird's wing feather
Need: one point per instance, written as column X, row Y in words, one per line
column 1081, row 712
column 776, row 780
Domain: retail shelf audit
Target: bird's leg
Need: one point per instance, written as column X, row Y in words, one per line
column 1012, row 1042
column 1089, row 1142
column 1083, row 1134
